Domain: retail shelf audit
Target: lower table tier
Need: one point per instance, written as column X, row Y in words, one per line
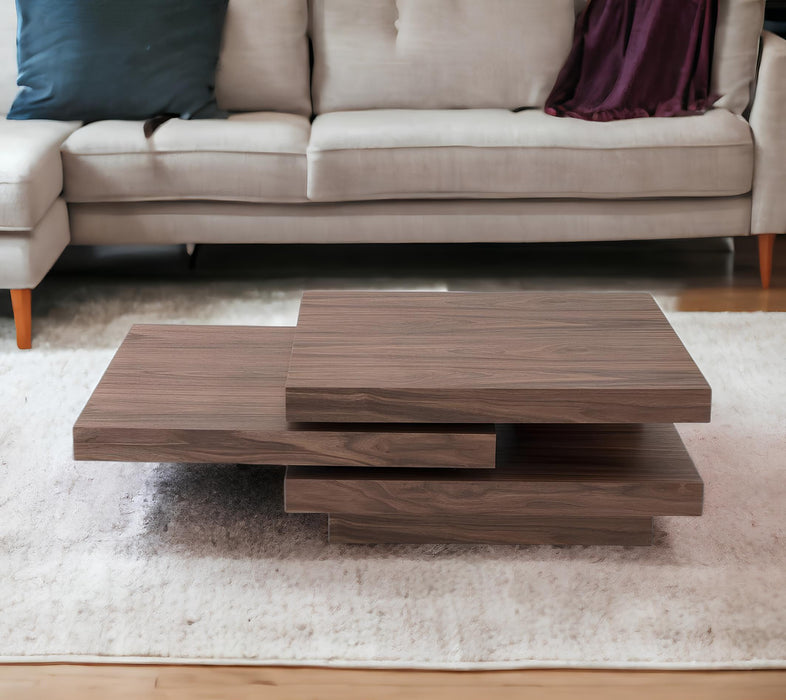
column 480, row 529
column 553, row 484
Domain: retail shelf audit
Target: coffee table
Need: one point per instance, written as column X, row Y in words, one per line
column 522, row 418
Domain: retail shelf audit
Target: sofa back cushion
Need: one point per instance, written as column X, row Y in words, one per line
column 737, row 39
column 7, row 55
column 264, row 62
column 493, row 53
column 437, row 54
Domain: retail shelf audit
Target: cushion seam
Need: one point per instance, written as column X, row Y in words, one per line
column 533, row 147
column 191, row 198
column 596, row 196
column 185, row 152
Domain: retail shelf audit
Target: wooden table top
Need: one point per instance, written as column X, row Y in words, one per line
column 216, row 394
column 520, row 357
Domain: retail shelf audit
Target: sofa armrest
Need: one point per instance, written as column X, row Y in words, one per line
column 768, row 121
column 31, row 170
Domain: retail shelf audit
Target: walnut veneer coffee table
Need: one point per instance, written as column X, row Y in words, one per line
column 427, row 417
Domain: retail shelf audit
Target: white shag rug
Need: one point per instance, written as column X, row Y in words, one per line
column 166, row 562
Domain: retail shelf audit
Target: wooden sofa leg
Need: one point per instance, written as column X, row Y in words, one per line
column 21, row 302
column 766, row 246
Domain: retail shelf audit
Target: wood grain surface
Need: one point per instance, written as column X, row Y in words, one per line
column 520, row 357
column 22, row 305
column 552, row 470
column 216, row 394
column 480, row 529
column 162, row 682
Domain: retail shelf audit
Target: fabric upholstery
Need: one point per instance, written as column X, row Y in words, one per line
column 26, row 256
column 736, row 51
column 251, row 70
column 495, row 154
column 422, row 221
column 768, row 120
column 31, row 173
column 264, row 62
column 616, row 70
column 103, row 59
column 263, row 65
column 439, row 54
column 252, row 157
column 7, row 55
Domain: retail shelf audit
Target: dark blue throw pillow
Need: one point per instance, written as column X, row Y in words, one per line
column 117, row 59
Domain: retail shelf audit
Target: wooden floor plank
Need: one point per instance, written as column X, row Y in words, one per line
column 98, row 682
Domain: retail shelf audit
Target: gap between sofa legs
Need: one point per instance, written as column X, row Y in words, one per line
column 21, row 302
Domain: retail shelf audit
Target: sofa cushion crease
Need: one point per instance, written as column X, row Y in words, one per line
column 409, row 154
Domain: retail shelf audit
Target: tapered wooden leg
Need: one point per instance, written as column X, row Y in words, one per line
column 766, row 246
column 21, row 301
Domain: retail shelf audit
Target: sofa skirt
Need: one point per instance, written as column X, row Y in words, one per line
column 421, row 221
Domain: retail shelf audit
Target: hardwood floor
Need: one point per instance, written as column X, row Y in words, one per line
column 73, row 682
column 684, row 276
column 700, row 275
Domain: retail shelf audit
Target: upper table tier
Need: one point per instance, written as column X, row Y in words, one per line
column 521, row 357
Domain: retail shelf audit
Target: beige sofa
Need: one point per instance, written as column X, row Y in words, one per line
column 414, row 140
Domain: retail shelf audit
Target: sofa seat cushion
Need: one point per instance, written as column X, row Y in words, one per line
column 254, row 157
column 31, row 174
column 403, row 154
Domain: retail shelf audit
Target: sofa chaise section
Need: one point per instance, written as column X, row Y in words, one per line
column 33, row 216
